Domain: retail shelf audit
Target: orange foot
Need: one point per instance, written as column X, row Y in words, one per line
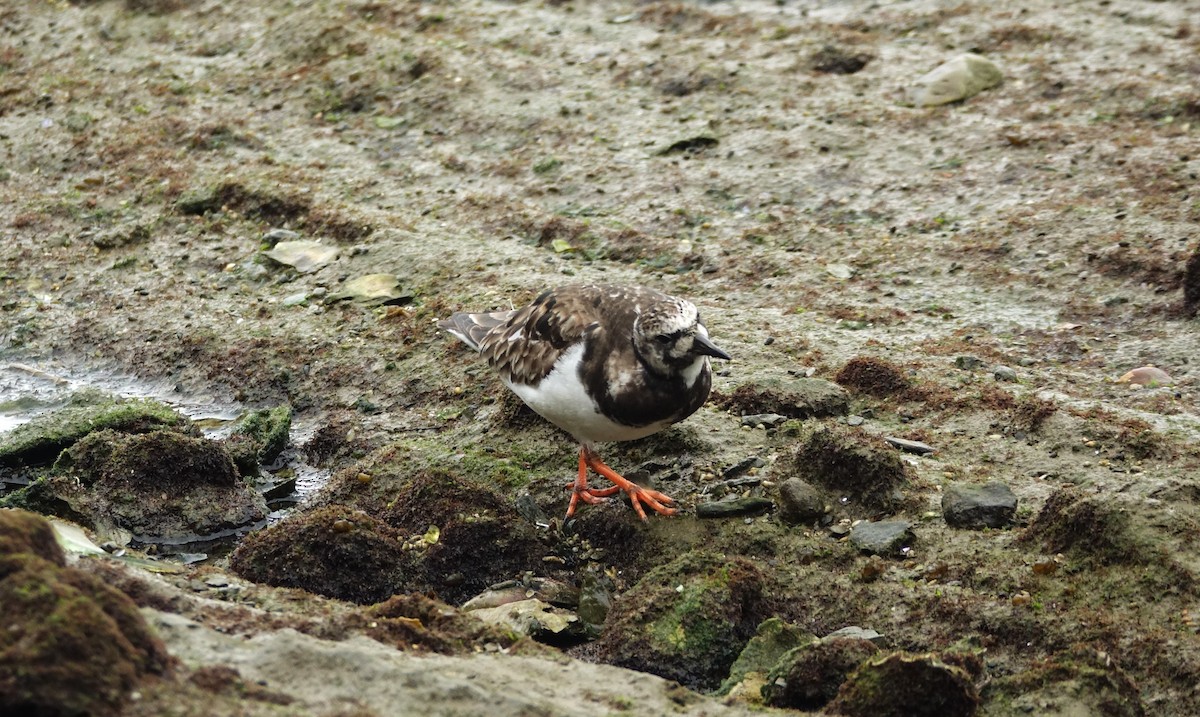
column 637, row 494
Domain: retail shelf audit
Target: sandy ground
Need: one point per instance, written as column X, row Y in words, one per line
column 481, row 151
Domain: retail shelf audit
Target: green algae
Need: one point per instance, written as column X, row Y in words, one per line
column 39, row 441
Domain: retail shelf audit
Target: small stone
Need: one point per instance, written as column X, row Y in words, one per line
column 967, row 363
column 855, row 631
column 535, row 618
column 885, row 537
column 991, row 505
column 965, row 76
column 743, row 466
column 839, row 271
column 305, row 256
column 908, row 446
column 758, row 420
column 732, row 508
column 216, row 581
column 274, row 236
column 800, row 502
column 1004, row 373
column 855, row 420
column 1150, row 376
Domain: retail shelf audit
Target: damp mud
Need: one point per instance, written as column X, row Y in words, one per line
column 984, row 308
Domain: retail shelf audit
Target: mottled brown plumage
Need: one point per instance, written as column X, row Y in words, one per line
column 602, row 362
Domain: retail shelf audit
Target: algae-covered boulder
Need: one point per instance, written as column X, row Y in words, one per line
column 258, row 438
column 71, row 645
column 1093, row 528
column 335, row 551
column 39, row 441
column 161, row 485
column 850, row 462
column 774, row 639
column 1080, row 681
column 901, row 684
column 793, row 398
column 687, row 620
column 809, row 676
column 482, row 539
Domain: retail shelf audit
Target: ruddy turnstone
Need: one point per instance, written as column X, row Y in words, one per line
column 603, row 363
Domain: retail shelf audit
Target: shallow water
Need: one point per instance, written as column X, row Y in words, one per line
column 28, row 390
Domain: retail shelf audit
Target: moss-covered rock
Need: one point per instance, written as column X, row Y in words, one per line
column 850, row 462
column 794, row 398
column 873, row 376
column 157, row 485
column 687, row 620
column 808, row 676
column 335, row 551
column 1092, row 528
column 259, row 438
column 71, row 644
column 481, row 538
column 39, row 441
column 772, row 641
column 24, row 532
column 901, row 684
column 1080, row 681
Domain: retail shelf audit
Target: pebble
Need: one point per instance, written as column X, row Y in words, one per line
column 965, row 76
column 885, row 537
column 966, row 363
column 800, row 502
column 908, row 446
column 1004, row 373
column 1147, row 376
column 991, row 505
column 743, row 466
column 861, row 633
column 760, row 420
column 733, row 508
column 274, row 236
column 855, row 420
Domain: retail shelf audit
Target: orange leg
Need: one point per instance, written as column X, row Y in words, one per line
column 637, row 494
column 581, row 491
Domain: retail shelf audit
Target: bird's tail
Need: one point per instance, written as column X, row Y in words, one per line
column 471, row 328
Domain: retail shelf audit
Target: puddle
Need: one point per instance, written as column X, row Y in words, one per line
column 29, row 390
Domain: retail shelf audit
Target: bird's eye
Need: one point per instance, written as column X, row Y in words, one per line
column 665, row 339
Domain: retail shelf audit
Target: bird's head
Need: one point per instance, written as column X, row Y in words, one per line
column 670, row 339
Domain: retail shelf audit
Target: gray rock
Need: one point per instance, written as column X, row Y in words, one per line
column 967, row 363
column 800, row 502
column 1004, row 373
column 910, row 446
column 731, row 508
column 763, row 419
column 539, row 620
column 990, row 505
column 862, row 633
column 965, row 76
column 886, row 537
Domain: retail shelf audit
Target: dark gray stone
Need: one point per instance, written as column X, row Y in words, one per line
column 1004, row 373
column 991, row 505
column 885, row 537
column 800, row 502
column 731, row 508
column 910, row 446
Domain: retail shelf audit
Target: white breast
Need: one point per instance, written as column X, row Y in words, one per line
column 561, row 399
